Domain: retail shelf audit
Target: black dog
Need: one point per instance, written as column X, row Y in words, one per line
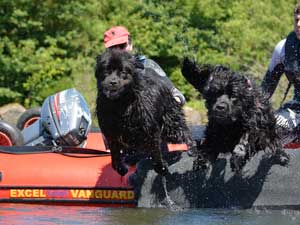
column 240, row 119
column 136, row 110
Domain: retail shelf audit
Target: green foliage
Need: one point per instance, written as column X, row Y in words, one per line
column 47, row 46
column 7, row 95
column 39, row 40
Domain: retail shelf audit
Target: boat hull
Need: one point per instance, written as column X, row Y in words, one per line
column 63, row 178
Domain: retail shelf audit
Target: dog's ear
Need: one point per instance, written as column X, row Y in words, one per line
column 195, row 74
column 220, row 68
column 98, row 65
column 246, row 82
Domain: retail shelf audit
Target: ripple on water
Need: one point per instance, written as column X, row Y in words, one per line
column 43, row 214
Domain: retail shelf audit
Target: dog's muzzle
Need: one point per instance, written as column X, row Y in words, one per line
column 222, row 105
column 112, row 93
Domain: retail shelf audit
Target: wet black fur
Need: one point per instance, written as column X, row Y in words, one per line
column 240, row 118
column 136, row 111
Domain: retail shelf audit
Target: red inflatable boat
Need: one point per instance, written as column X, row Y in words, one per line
column 64, row 175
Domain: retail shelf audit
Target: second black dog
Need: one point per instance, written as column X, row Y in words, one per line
column 136, row 111
column 240, row 119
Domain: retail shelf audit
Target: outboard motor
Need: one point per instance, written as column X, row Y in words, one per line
column 65, row 121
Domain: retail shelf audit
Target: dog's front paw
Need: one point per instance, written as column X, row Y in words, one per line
column 237, row 163
column 238, row 158
column 161, row 168
column 240, row 150
column 282, row 158
column 193, row 151
column 121, row 169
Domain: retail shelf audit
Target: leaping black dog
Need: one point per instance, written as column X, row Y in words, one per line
column 240, row 119
column 136, row 111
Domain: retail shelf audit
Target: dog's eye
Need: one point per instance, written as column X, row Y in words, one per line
column 107, row 73
column 124, row 75
column 104, row 75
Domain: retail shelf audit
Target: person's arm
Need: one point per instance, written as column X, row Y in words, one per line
column 179, row 97
column 275, row 70
column 271, row 80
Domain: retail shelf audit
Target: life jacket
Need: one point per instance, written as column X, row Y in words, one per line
column 292, row 62
column 149, row 63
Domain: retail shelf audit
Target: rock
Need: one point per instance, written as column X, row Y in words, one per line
column 193, row 117
column 11, row 112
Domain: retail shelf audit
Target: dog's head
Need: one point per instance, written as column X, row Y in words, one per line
column 228, row 96
column 115, row 73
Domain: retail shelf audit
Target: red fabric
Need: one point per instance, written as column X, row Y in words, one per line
column 293, row 145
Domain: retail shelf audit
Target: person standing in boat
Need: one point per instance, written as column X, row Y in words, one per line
column 119, row 37
column 286, row 59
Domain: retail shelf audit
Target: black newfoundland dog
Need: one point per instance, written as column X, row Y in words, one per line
column 240, row 119
column 136, row 111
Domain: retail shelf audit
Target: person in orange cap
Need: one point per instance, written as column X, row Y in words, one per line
column 119, row 37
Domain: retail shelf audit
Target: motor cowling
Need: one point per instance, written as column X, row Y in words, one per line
column 65, row 120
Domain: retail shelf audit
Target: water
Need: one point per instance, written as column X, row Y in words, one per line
column 44, row 214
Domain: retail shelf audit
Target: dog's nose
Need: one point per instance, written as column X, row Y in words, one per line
column 113, row 82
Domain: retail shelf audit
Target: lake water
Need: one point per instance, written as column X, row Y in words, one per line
column 45, row 214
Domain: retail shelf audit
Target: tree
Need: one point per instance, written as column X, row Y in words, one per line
column 47, row 46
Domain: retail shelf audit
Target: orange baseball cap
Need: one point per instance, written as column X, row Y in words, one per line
column 115, row 36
